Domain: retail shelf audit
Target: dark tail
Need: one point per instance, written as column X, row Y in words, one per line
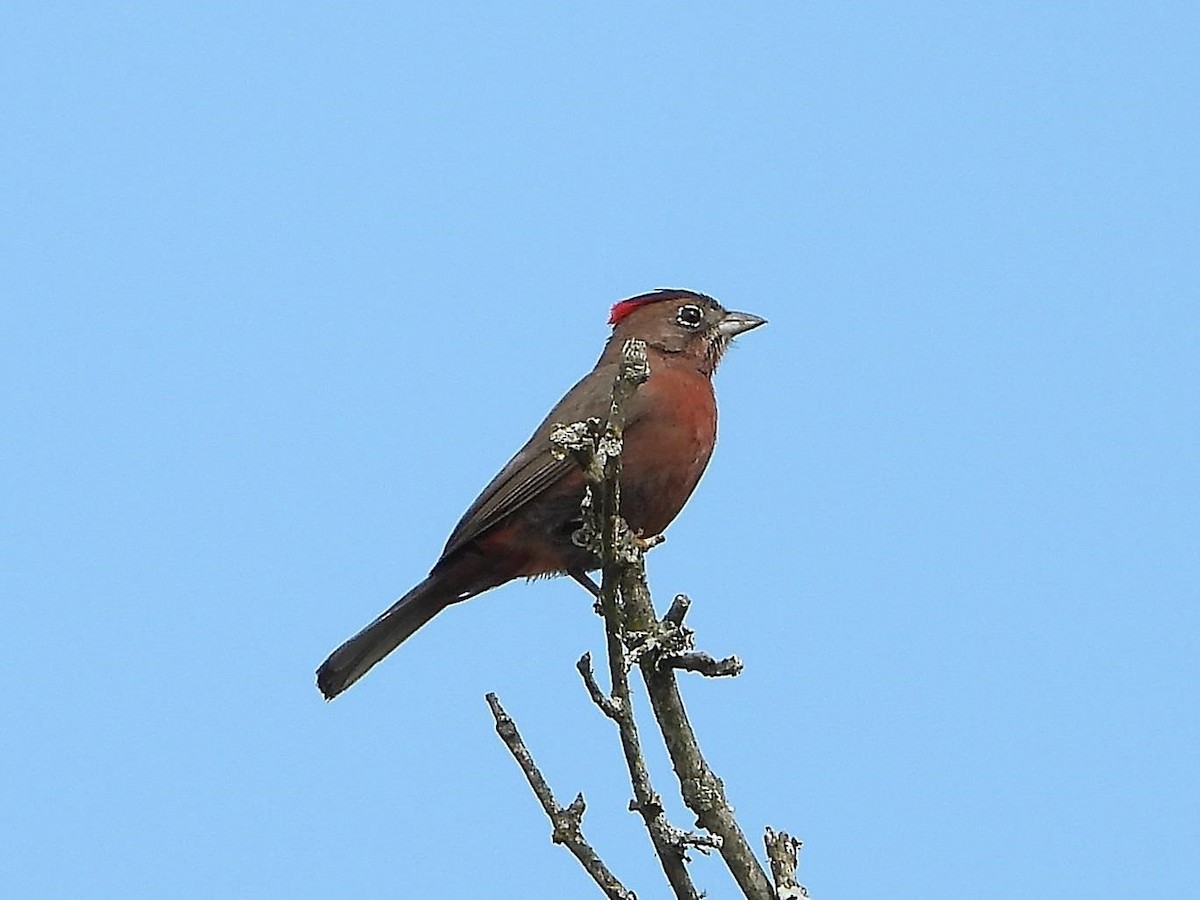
column 353, row 659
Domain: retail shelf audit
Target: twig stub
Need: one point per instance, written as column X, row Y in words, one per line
column 783, row 851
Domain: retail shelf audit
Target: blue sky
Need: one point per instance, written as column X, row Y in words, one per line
column 284, row 286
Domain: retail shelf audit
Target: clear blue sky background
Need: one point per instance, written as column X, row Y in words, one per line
column 284, row 284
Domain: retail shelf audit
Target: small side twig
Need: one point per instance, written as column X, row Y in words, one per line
column 672, row 645
column 610, row 706
column 701, row 662
column 705, row 843
column 783, row 851
column 567, row 820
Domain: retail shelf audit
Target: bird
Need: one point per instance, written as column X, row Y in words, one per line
column 521, row 525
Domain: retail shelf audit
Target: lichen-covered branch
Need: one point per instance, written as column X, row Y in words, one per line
column 567, row 820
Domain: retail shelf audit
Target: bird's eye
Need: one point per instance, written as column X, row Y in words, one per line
column 690, row 316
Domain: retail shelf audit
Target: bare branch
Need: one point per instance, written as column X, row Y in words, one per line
column 567, row 821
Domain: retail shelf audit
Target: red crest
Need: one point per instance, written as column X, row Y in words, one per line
column 623, row 308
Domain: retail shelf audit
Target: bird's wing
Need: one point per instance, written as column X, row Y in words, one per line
column 520, row 481
column 534, row 468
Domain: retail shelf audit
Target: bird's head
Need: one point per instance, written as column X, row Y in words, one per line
column 679, row 321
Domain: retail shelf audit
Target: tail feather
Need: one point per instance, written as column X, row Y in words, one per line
column 354, row 659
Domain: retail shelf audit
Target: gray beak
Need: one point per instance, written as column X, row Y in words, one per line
column 735, row 323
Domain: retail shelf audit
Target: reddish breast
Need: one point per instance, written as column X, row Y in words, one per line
column 667, row 445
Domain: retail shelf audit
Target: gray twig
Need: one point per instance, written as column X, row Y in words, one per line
column 698, row 661
column 607, row 704
column 567, row 820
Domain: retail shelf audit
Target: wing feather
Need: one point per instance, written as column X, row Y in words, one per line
column 534, row 468
column 518, row 483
